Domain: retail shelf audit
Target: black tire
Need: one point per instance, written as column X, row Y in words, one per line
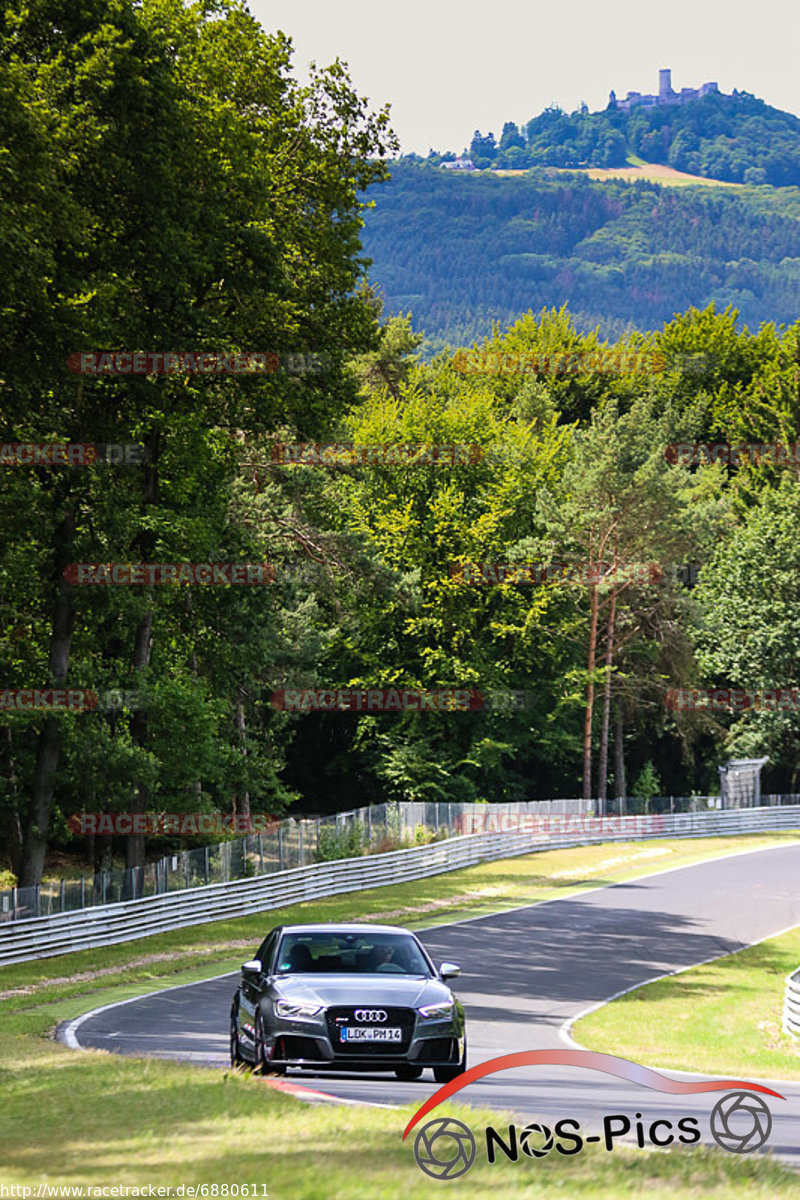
column 407, row 1072
column 446, row 1074
column 235, row 1048
column 262, row 1064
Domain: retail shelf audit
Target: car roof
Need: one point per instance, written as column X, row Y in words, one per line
column 345, row 928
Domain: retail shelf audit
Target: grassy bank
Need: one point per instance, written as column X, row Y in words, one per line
column 98, row 1119
column 721, row 1018
column 95, row 1119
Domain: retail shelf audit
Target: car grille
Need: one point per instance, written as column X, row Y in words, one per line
column 395, row 1017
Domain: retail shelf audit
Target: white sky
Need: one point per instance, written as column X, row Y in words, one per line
column 451, row 66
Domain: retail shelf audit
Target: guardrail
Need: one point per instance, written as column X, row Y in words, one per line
column 103, row 925
column 291, row 842
column 300, row 841
column 791, row 1005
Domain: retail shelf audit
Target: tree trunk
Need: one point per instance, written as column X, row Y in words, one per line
column 241, row 804
column 10, row 827
column 602, row 767
column 587, row 724
column 143, row 644
column 620, row 783
column 48, row 750
column 135, row 843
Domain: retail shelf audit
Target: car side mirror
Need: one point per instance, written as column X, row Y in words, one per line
column 253, row 967
column 449, row 970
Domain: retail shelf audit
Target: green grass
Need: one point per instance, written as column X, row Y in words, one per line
column 100, row 1119
column 723, row 1018
column 97, row 1119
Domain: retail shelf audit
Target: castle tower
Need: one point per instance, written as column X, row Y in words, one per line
column 664, row 84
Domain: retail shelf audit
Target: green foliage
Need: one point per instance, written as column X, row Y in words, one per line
column 647, row 783
column 749, row 631
column 735, row 138
column 348, row 842
column 424, row 835
column 233, row 226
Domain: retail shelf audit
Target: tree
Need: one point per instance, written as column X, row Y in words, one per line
column 235, row 227
column 619, row 508
column 749, row 634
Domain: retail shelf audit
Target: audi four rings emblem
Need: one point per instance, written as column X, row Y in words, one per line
column 369, row 1014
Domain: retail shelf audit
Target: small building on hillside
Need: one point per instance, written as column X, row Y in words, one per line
column 459, row 164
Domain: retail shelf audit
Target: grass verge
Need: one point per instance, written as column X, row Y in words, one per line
column 98, row 1120
column 104, row 1121
column 723, row 1018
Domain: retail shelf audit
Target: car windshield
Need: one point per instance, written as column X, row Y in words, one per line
column 352, row 953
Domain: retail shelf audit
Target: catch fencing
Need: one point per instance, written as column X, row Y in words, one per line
column 501, row 835
column 299, row 842
column 288, row 843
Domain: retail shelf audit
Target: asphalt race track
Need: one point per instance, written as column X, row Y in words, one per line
column 525, row 975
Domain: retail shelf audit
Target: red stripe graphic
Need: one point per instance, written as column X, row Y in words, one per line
column 592, row 1060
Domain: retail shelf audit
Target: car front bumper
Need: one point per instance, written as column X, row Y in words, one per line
column 314, row 1042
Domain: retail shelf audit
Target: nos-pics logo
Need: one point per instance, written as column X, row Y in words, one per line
column 445, row 1148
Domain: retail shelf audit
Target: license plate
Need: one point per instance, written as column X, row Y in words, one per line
column 367, row 1034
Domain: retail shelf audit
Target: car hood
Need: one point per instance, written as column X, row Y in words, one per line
column 405, row 991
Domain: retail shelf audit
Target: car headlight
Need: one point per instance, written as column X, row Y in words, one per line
column 445, row 1009
column 294, row 1008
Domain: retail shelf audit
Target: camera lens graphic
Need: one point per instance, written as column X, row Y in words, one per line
column 529, row 1146
column 740, row 1122
column 444, row 1148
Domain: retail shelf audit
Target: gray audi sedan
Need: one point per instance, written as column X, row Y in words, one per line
column 347, row 997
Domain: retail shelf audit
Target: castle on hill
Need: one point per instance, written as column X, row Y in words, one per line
column 666, row 95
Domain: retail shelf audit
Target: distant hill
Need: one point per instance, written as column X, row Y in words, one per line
column 736, row 138
column 460, row 250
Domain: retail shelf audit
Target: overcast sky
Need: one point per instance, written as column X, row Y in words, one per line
column 450, row 66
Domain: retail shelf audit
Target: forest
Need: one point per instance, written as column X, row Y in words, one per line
column 461, row 251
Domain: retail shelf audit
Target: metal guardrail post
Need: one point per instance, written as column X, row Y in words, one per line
column 791, row 1005
column 280, row 848
column 36, row 897
column 206, row 863
column 62, row 893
